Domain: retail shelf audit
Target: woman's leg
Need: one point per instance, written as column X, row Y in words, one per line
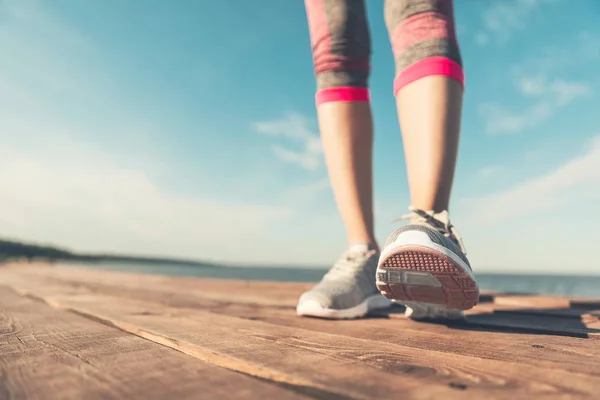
column 341, row 54
column 341, row 50
column 424, row 264
column 429, row 89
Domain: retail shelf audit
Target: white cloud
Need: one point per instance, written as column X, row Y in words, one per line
column 502, row 18
column 305, row 159
column 562, row 91
column 542, row 224
column 92, row 183
column 573, row 182
column 548, row 96
column 305, row 194
column 294, row 127
column 550, row 59
column 482, row 38
column 488, row 172
column 538, row 79
column 81, row 168
column 90, row 203
column 63, row 182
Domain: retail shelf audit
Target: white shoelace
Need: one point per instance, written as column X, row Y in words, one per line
column 444, row 227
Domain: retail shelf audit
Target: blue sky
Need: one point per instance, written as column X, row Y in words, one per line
column 188, row 129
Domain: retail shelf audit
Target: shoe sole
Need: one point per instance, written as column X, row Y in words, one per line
column 422, row 274
column 421, row 311
column 314, row 309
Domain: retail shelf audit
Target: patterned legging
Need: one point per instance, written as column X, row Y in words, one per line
column 422, row 34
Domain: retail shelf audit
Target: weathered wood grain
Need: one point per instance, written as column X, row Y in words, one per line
column 559, row 351
column 278, row 294
column 47, row 353
column 247, row 326
column 504, row 314
column 350, row 366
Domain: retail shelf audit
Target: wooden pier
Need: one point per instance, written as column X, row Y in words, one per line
column 78, row 333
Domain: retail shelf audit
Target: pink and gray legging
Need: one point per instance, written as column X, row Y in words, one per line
column 421, row 32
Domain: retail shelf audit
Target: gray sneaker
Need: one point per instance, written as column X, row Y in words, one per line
column 424, row 266
column 347, row 291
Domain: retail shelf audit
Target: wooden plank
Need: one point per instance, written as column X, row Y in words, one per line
column 49, row 353
column 283, row 294
column 473, row 341
column 272, row 294
column 543, row 301
column 561, row 352
column 354, row 367
column 170, row 289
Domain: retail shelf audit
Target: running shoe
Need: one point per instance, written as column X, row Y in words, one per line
column 424, row 266
column 348, row 290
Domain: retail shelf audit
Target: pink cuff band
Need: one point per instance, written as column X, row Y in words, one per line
column 428, row 67
column 342, row 94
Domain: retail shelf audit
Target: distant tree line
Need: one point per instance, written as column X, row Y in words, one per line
column 13, row 250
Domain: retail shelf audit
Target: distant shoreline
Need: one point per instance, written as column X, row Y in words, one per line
column 17, row 251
